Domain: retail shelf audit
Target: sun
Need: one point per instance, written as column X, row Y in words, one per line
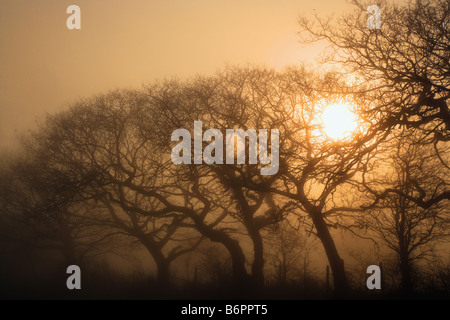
column 339, row 122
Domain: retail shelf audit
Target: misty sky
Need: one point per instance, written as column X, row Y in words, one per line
column 44, row 66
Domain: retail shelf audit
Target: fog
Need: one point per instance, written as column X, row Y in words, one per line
column 124, row 44
column 87, row 149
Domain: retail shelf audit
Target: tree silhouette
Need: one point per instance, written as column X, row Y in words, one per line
column 312, row 166
column 216, row 102
column 408, row 229
column 100, row 141
column 403, row 67
column 41, row 203
column 288, row 253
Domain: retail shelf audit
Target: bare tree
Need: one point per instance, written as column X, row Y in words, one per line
column 289, row 253
column 313, row 168
column 404, row 68
column 41, row 204
column 408, row 229
column 244, row 212
column 101, row 141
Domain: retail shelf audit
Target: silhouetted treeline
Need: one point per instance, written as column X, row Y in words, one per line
column 97, row 181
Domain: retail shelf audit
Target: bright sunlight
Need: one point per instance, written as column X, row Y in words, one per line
column 339, row 121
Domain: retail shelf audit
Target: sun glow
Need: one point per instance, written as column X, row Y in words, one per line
column 339, row 122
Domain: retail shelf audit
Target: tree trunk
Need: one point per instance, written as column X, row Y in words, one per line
column 162, row 263
column 68, row 248
column 240, row 275
column 258, row 258
column 403, row 245
column 405, row 271
column 238, row 259
column 163, row 279
column 257, row 276
column 341, row 286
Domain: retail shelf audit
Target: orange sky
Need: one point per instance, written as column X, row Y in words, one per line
column 44, row 66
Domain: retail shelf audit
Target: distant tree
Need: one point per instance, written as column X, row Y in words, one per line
column 288, row 254
column 215, row 265
column 411, row 231
column 39, row 204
